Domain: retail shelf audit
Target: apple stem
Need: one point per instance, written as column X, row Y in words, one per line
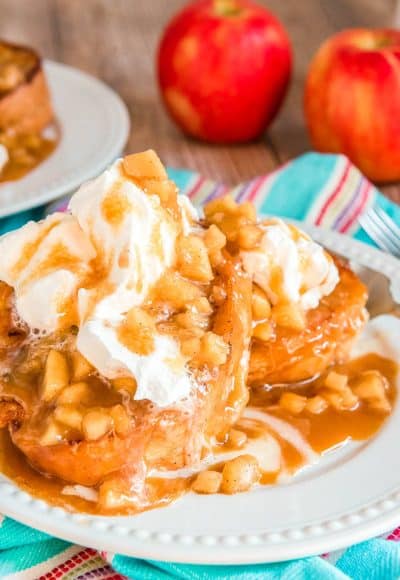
column 227, row 7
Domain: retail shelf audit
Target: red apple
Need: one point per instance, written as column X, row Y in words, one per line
column 352, row 100
column 223, row 68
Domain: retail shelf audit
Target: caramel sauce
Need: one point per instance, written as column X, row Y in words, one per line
column 331, row 428
column 14, row 465
column 30, row 248
column 137, row 332
column 276, row 282
column 58, row 258
column 115, row 206
column 322, row 432
column 292, row 459
column 26, row 152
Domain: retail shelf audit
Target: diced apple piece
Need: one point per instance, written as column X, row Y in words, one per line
column 145, row 165
column 218, row 295
column 120, row 420
column 75, row 394
column 350, row 400
column 213, row 349
column 336, row 381
column 80, row 366
column 56, row 375
column 316, row 405
column 260, row 305
column 68, row 415
column 51, row 435
column 191, row 319
column 340, row 401
column 289, row 315
column 216, row 258
column 240, row 474
column 165, row 189
column 225, row 204
column 127, row 384
column 293, row 403
column 381, row 405
column 263, row 331
column 333, row 399
column 190, row 347
column 249, row 236
column 207, row 482
column 177, row 291
column 214, row 239
column 96, row 424
column 370, row 386
column 112, row 494
column 201, row 305
column 193, row 261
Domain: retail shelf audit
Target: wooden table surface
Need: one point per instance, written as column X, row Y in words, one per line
column 116, row 41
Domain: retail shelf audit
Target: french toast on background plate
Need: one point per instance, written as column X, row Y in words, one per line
column 26, row 112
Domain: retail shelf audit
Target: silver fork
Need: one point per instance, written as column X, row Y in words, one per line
column 382, row 229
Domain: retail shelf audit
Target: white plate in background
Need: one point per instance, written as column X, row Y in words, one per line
column 94, row 125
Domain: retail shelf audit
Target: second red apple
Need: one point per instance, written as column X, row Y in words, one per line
column 352, row 100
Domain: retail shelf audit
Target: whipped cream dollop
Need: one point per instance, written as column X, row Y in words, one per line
column 44, row 263
column 90, row 267
column 290, row 267
column 134, row 239
column 4, row 157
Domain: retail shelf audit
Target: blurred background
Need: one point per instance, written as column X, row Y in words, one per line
column 116, row 41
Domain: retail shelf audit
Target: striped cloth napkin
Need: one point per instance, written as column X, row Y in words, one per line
column 326, row 190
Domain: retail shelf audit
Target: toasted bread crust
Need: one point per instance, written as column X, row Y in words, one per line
column 230, row 393
column 26, row 108
column 82, row 462
column 331, row 328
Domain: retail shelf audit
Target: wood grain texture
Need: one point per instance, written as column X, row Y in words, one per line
column 116, row 40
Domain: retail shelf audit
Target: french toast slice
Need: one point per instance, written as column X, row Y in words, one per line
column 86, row 427
column 291, row 342
column 169, row 438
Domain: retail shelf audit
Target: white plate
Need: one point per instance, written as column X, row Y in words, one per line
column 95, row 125
column 351, row 495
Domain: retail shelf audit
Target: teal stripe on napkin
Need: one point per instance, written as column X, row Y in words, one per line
column 306, row 569
column 24, row 557
column 294, row 188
